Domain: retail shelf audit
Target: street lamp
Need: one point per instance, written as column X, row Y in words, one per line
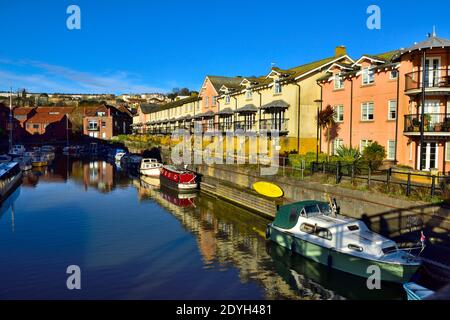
column 319, row 107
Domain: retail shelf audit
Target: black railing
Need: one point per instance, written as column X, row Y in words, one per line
column 438, row 78
column 274, row 124
column 433, row 122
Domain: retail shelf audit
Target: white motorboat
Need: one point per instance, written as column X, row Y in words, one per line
column 119, row 156
column 314, row 230
column 4, row 158
column 150, row 167
column 17, row 150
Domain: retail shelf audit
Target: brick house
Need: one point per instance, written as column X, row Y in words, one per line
column 105, row 122
column 49, row 122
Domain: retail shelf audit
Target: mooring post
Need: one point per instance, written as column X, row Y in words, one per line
column 408, row 185
column 433, row 185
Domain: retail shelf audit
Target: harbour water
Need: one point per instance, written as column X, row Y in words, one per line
column 134, row 240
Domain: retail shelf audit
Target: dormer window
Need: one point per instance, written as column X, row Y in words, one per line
column 338, row 81
column 368, row 76
column 277, row 88
column 101, row 114
column 394, row 74
column 249, row 94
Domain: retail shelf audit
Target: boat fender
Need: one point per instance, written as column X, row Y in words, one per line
column 293, row 248
column 330, row 260
column 268, row 232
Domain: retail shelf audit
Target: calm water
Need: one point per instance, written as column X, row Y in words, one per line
column 135, row 241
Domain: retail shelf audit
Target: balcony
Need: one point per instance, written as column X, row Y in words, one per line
column 268, row 125
column 436, row 82
column 246, row 126
column 435, row 124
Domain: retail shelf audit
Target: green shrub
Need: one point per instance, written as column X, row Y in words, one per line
column 373, row 155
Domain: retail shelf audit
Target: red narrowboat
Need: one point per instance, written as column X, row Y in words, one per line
column 178, row 179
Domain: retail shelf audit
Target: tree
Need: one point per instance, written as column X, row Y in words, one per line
column 326, row 121
column 373, row 155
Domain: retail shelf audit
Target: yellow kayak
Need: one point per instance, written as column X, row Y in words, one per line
column 268, row 189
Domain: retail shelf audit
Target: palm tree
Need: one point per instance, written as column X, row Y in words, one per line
column 326, row 121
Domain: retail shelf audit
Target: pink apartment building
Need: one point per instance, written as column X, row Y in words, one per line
column 379, row 98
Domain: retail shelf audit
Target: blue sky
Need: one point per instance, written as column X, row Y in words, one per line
column 147, row 46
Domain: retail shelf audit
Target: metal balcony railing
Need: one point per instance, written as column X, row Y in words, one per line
column 277, row 125
column 434, row 79
column 433, row 122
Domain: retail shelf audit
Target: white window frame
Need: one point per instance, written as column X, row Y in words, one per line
column 338, row 82
column 390, row 74
column 368, row 76
column 214, row 100
column 392, row 156
column 339, row 111
column 366, row 142
column 365, row 107
column 447, row 149
column 249, row 94
column 389, row 109
column 227, row 99
column 338, row 142
column 277, row 88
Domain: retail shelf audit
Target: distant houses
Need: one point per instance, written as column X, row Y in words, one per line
column 56, row 123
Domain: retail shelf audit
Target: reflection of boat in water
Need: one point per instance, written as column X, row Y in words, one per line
column 150, row 182
column 10, row 177
column 314, row 230
column 39, row 162
column 182, row 200
column 310, row 279
column 9, row 201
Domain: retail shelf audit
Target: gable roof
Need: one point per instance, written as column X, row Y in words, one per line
column 219, row 81
column 431, row 42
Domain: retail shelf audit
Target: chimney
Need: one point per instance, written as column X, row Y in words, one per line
column 340, row 51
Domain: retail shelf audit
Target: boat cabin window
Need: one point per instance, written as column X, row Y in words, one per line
column 324, row 208
column 293, row 217
column 316, row 231
column 353, row 228
column 312, row 210
column 354, row 247
column 389, row 249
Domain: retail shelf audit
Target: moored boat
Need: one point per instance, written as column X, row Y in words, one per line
column 4, row 158
column 417, row 292
column 17, row 150
column 314, row 230
column 10, row 176
column 119, row 156
column 39, row 161
column 150, row 167
column 178, row 179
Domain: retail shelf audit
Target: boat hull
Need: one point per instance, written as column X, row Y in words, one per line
column 155, row 172
column 38, row 164
column 181, row 187
column 10, row 187
column 390, row 272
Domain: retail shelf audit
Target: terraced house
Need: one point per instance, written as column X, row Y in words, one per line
column 179, row 114
column 380, row 98
column 284, row 100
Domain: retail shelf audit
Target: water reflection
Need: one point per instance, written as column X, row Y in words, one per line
column 142, row 240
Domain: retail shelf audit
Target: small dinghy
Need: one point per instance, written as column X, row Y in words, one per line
column 417, row 292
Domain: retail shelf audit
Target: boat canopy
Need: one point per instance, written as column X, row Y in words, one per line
column 287, row 216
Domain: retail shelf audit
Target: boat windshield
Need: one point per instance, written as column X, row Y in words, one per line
column 324, row 208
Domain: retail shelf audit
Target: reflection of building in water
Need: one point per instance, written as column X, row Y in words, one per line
column 227, row 235
column 98, row 174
